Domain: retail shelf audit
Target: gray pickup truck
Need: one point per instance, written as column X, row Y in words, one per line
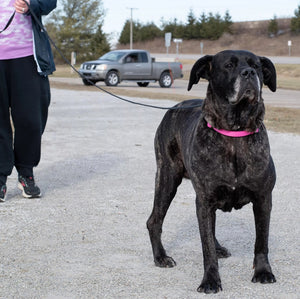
column 130, row 65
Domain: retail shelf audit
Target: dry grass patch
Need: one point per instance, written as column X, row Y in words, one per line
column 286, row 120
column 65, row 71
column 288, row 76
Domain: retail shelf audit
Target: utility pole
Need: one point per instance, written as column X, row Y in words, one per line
column 131, row 33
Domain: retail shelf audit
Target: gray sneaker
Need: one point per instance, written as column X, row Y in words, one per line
column 3, row 190
column 28, row 186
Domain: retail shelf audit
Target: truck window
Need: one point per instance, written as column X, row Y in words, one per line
column 143, row 57
column 132, row 58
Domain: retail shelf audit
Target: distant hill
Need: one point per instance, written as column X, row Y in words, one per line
column 252, row 36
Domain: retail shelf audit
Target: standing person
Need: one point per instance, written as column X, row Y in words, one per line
column 25, row 62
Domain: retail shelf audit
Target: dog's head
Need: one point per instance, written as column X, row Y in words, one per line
column 235, row 75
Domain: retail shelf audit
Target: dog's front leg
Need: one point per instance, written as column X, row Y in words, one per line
column 262, row 211
column 166, row 184
column 211, row 282
column 222, row 252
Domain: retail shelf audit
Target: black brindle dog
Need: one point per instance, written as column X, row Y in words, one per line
column 223, row 148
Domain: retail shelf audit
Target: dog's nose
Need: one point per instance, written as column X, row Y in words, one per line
column 248, row 72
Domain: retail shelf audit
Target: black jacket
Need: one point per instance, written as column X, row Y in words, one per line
column 41, row 46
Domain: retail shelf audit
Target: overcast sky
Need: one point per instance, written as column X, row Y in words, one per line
column 117, row 11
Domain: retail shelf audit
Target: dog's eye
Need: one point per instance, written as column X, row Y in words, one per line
column 229, row 65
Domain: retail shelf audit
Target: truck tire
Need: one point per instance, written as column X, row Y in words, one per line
column 112, row 79
column 88, row 82
column 143, row 84
column 165, row 80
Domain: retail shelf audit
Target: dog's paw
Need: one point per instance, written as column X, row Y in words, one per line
column 210, row 287
column 263, row 277
column 222, row 252
column 165, row 262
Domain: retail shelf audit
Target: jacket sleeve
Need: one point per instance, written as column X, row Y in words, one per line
column 42, row 7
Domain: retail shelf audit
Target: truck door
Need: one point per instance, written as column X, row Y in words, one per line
column 136, row 66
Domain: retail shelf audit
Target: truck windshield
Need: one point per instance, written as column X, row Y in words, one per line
column 112, row 56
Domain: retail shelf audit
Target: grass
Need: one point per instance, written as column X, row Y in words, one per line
column 285, row 120
column 288, row 76
column 277, row 119
column 65, row 71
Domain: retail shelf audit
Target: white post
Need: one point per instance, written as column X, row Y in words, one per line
column 290, row 47
column 177, row 41
column 73, row 60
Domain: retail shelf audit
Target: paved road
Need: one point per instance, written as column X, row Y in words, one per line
column 275, row 59
column 281, row 98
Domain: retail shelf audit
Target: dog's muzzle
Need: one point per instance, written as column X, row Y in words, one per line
column 246, row 87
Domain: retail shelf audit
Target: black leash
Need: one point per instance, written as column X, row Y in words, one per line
column 9, row 22
column 92, row 83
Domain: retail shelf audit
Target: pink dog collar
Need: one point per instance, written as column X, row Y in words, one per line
column 233, row 133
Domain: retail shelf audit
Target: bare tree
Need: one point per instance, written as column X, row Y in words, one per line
column 77, row 26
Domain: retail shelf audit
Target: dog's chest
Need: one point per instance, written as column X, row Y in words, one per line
column 230, row 169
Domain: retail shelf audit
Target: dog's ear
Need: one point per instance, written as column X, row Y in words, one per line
column 201, row 69
column 269, row 73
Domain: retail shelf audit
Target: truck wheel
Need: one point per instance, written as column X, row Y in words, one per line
column 143, row 84
column 165, row 80
column 112, row 79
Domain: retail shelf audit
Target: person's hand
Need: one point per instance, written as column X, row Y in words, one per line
column 21, row 6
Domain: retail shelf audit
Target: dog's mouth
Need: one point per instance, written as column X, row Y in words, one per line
column 245, row 91
column 249, row 94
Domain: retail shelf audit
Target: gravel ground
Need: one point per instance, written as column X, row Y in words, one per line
column 87, row 238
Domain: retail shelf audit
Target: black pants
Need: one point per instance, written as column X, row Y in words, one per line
column 25, row 95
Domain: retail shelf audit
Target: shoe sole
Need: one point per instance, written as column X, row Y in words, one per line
column 2, row 199
column 20, row 186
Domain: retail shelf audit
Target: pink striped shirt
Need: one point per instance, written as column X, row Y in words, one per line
column 17, row 40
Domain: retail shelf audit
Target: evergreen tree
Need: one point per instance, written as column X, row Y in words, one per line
column 177, row 29
column 227, row 22
column 99, row 43
column 149, row 32
column 125, row 33
column 206, row 27
column 191, row 29
column 140, row 32
column 273, row 27
column 295, row 21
